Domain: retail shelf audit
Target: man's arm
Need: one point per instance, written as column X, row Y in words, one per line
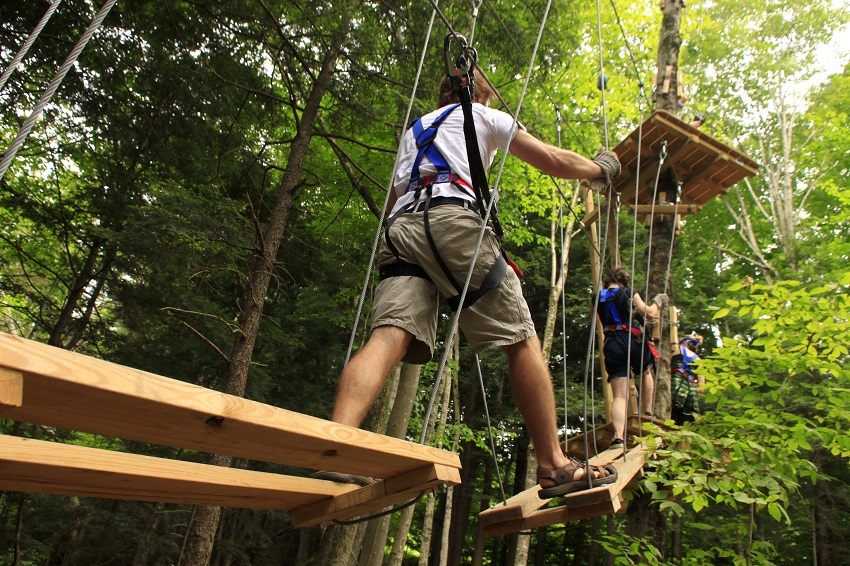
column 553, row 160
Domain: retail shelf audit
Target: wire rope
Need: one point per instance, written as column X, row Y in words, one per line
column 22, row 52
column 389, row 191
column 9, row 156
column 487, row 217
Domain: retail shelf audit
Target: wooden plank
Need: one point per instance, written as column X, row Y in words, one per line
column 76, row 392
column 375, row 497
column 690, row 151
column 626, row 470
column 11, row 387
column 665, row 208
column 63, row 469
column 590, row 218
column 553, row 516
column 524, row 503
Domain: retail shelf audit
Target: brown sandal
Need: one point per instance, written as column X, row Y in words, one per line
column 564, row 482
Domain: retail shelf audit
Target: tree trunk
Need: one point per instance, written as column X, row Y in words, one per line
column 375, row 539
column 400, row 539
column 560, row 269
column 200, row 540
column 666, row 98
column 478, row 552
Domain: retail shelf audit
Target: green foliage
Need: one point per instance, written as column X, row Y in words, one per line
column 778, row 396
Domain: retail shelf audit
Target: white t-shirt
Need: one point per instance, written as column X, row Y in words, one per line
column 495, row 130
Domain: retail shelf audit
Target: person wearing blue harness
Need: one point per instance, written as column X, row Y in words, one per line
column 686, row 384
column 437, row 212
column 624, row 347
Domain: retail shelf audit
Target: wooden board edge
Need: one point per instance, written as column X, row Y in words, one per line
column 11, row 387
column 375, row 497
column 39, row 466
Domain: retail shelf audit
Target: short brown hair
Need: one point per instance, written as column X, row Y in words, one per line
column 619, row 275
column 483, row 93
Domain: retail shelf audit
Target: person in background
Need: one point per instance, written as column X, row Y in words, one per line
column 686, row 384
column 625, row 349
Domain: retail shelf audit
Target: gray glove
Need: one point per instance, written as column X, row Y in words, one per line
column 609, row 163
column 661, row 299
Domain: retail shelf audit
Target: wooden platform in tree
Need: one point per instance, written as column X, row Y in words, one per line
column 600, row 437
column 705, row 166
column 53, row 387
column 526, row 510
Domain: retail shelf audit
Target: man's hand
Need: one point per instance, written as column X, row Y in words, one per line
column 661, row 299
column 608, row 162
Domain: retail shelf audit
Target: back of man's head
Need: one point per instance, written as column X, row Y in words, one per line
column 483, row 93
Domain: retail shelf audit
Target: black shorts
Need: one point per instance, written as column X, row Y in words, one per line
column 616, row 352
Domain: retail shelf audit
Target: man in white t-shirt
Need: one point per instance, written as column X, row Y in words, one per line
column 430, row 241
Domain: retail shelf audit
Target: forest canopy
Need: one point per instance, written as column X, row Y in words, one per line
column 200, row 197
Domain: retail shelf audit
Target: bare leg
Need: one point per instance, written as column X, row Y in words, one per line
column 535, row 398
column 620, row 392
column 647, row 394
column 363, row 377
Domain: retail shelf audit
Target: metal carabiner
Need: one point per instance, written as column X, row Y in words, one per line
column 467, row 57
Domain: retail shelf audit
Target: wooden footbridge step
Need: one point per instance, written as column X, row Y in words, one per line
column 527, row 510
column 53, row 387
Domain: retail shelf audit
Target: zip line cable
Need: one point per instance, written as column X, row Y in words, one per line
column 389, row 191
column 22, row 52
column 632, row 271
column 641, row 85
column 9, row 156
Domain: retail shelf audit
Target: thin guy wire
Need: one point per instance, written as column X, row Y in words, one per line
column 387, row 197
column 52, row 87
column 631, row 55
column 22, row 52
column 488, row 214
column 632, row 271
column 602, row 80
column 475, row 8
column 661, row 157
column 490, row 429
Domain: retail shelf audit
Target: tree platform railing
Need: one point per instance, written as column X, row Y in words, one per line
column 53, row 387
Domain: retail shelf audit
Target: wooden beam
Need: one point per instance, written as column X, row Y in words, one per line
column 554, row 516
column 63, row 469
column 76, row 392
column 375, row 497
column 590, row 218
column 526, row 502
column 664, row 208
column 11, row 387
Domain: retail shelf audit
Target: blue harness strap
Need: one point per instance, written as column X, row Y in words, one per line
column 426, row 148
column 687, row 358
column 607, row 305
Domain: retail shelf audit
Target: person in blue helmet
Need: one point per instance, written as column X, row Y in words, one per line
column 625, row 348
column 686, row 384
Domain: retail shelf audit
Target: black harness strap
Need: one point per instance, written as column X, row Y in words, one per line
column 402, row 268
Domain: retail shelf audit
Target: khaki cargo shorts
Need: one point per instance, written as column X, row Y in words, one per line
column 499, row 318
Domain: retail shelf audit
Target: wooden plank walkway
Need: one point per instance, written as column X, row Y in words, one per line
column 53, row 387
column 526, row 510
